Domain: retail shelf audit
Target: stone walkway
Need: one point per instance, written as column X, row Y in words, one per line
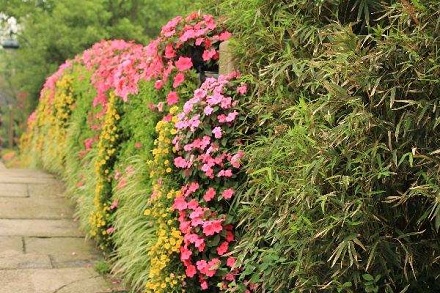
column 41, row 248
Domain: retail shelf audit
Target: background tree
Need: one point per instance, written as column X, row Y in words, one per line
column 53, row 31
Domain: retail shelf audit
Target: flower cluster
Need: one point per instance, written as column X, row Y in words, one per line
column 184, row 44
column 100, row 219
column 163, row 275
column 209, row 161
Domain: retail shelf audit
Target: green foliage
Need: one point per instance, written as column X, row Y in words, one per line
column 133, row 186
column 79, row 24
column 102, row 267
column 342, row 144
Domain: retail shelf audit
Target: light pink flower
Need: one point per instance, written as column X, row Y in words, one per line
column 208, row 110
column 217, row 131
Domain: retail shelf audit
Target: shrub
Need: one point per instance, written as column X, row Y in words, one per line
column 342, row 159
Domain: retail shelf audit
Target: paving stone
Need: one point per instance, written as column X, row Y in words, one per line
column 39, row 228
column 10, row 260
column 35, row 208
column 14, row 244
column 64, row 252
column 47, row 190
column 41, row 248
column 13, row 190
column 68, row 280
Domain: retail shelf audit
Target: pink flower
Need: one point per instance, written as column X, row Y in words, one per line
column 226, row 103
column 225, row 173
column 228, row 193
column 172, row 98
column 114, row 204
column 231, row 116
column 242, row 90
column 110, row 230
column 225, row 36
column 199, row 93
column 180, row 203
column 223, row 248
column 212, row 227
column 185, row 253
column 180, row 162
column 215, row 99
column 229, row 235
column 189, row 34
column 190, row 271
column 209, row 54
column 203, row 284
column 193, row 205
column 185, row 226
column 193, row 187
column 217, row 131
column 178, row 79
column 184, row 63
column 236, row 159
column 208, row 110
column 138, row 145
column 169, row 52
column 88, row 143
column 230, row 262
column 202, row 265
column 230, row 277
column 221, row 118
column 158, row 84
column 209, row 195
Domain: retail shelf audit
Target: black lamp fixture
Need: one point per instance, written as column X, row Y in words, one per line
column 204, row 69
column 10, row 43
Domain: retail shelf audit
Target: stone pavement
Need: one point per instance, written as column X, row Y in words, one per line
column 41, row 248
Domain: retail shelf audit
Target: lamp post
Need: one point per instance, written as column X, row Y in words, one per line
column 10, row 44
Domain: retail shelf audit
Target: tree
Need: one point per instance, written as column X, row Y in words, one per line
column 53, row 31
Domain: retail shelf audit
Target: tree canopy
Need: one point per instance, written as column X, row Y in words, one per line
column 53, row 31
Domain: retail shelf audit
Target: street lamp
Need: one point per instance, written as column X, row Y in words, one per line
column 10, row 43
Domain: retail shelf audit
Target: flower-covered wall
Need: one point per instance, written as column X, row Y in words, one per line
column 146, row 144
